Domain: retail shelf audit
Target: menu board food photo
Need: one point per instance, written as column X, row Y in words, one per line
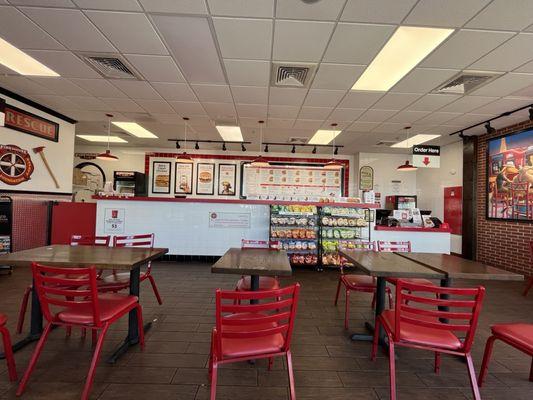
column 161, row 177
column 205, row 178
column 183, row 178
column 226, row 179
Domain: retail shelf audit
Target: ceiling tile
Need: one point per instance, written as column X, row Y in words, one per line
column 85, row 37
column 505, row 85
column 467, row 103
column 125, row 105
column 191, row 42
column 173, row 6
column 242, row 8
column 98, row 87
column 432, row 102
column 336, row 76
column 21, row 32
column 464, row 47
column 314, row 112
column 357, row 43
column 24, row 86
column 468, row 119
column 376, row 10
column 423, row 80
column 134, row 33
column 169, row 119
column 342, row 125
column 360, row 126
column 90, row 104
column 175, row 91
column 510, row 55
column 323, row 98
column 116, row 5
column 524, row 92
column 287, row 96
column 244, row 38
column 438, row 118
column 502, row 105
column 283, row 112
column 389, row 127
column 308, row 124
column 346, row 114
column 213, row 93
column 396, row 101
column 449, row 13
column 301, row 40
column 55, row 102
column 249, row 122
column 156, row 68
column 248, row 72
column 501, row 14
column 250, row 94
column 61, row 86
column 258, row 111
column 46, row 3
column 321, row 10
column 376, row 115
column 155, row 106
column 64, row 63
column 136, row 89
column 528, row 67
column 408, row 117
column 280, row 123
column 220, row 110
column 185, row 108
column 355, row 99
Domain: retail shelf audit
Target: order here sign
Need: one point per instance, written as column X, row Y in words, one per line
column 426, row 156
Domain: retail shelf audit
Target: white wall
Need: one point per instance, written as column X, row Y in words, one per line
column 59, row 155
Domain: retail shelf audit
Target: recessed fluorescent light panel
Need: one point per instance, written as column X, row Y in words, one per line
column 135, row 129
column 324, row 136
column 405, row 49
column 230, row 133
column 20, row 62
column 102, row 138
column 413, row 141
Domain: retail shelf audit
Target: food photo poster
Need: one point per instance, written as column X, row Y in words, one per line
column 205, row 178
column 183, row 178
column 161, row 177
column 226, row 179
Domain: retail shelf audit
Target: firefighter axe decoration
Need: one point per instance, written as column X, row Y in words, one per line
column 40, row 150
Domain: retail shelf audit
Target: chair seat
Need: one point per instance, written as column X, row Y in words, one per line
column 360, row 281
column 418, row 281
column 265, row 283
column 111, row 305
column 520, row 334
column 421, row 335
column 232, row 348
column 3, row 319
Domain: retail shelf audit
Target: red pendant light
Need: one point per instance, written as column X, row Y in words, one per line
column 107, row 156
column 184, row 157
column 260, row 161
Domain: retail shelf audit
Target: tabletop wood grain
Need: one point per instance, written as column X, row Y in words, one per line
column 457, row 267
column 389, row 265
column 119, row 258
column 262, row 262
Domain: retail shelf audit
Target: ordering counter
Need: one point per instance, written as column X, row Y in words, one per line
column 208, row 227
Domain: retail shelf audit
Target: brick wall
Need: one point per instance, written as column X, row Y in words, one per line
column 503, row 244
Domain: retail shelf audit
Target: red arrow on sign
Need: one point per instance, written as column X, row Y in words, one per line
column 426, row 160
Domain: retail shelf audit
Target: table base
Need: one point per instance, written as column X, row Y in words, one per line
column 126, row 344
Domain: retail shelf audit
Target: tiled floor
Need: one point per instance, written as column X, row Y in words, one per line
column 327, row 364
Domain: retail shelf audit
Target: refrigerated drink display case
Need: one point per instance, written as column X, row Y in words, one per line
column 400, row 202
column 129, row 183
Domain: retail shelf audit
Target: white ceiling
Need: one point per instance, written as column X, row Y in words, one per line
column 211, row 61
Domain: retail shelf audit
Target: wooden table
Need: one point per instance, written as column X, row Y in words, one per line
column 253, row 262
column 106, row 258
column 383, row 265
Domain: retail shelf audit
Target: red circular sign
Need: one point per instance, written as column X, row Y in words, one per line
column 15, row 165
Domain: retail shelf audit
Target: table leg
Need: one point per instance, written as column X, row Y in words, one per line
column 446, row 282
column 36, row 325
column 254, row 287
column 133, row 334
column 380, row 306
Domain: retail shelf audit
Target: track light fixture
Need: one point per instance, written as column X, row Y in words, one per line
column 293, row 149
column 178, row 145
column 461, row 135
column 266, row 148
column 489, row 128
column 242, row 147
column 314, row 150
column 336, row 150
column 531, row 113
column 196, row 146
column 224, row 146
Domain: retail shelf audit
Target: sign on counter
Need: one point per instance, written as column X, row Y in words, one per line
column 229, row 220
column 114, row 220
column 426, row 156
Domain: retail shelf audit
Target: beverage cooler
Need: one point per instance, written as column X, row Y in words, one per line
column 129, row 183
column 6, row 228
column 400, row 202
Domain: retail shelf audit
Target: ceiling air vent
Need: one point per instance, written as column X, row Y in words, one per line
column 465, row 82
column 110, row 66
column 292, row 75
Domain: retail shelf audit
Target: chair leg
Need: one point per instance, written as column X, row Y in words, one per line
column 154, row 288
column 437, row 362
column 338, row 292
column 94, row 363
column 392, row 370
column 23, row 308
column 486, row 359
column 528, row 286
column 270, row 362
column 140, row 325
column 68, row 331
column 375, row 340
column 347, row 308
column 8, row 352
column 214, row 370
column 391, row 301
column 33, row 359
column 473, row 379
column 531, row 371
column 291, row 375
column 373, row 305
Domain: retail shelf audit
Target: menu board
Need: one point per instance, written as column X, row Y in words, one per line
column 161, row 177
column 290, row 182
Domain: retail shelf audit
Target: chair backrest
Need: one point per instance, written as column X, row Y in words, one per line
column 416, row 304
column 274, row 315
column 399, row 247
column 72, row 288
column 145, row 240
column 358, row 245
column 82, row 240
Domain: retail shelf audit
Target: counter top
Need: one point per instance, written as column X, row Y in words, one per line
column 235, row 201
column 411, row 229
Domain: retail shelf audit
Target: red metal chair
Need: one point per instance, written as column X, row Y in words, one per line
column 75, row 240
column 265, row 282
column 253, row 331
column 520, row 202
column 73, row 295
column 8, row 351
column 120, row 281
column 418, row 324
column 518, row 335
column 529, row 285
column 358, row 283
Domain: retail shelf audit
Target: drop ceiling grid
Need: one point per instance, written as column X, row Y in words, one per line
column 187, row 8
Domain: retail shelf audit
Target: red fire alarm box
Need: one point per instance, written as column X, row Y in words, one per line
column 453, row 208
